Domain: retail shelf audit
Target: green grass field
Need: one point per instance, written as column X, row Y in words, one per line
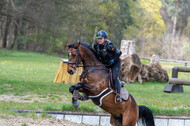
column 26, row 82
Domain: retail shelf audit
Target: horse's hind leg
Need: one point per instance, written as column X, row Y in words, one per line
column 116, row 121
column 128, row 121
column 130, row 117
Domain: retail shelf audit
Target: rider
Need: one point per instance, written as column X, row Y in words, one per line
column 109, row 55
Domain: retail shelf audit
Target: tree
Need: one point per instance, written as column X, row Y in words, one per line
column 175, row 14
column 8, row 21
column 46, row 25
column 147, row 28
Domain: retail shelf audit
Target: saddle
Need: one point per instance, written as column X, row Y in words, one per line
column 123, row 92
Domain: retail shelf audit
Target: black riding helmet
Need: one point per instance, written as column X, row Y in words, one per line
column 102, row 34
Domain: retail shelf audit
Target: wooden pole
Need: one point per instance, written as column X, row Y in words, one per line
column 179, row 81
column 183, row 69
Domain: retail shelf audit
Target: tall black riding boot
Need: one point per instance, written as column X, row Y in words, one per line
column 118, row 87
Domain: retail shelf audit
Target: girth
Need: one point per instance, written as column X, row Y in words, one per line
column 97, row 100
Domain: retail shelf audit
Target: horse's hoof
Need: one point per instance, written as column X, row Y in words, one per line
column 76, row 104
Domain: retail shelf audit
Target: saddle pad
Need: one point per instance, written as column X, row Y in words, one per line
column 97, row 100
column 124, row 94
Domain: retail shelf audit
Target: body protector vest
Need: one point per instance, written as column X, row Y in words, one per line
column 107, row 52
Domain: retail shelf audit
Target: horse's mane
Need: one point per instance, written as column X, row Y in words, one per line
column 88, row 46
column 85, row 44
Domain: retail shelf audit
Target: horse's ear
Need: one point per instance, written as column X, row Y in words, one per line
column 67, row 44
column 77, row 44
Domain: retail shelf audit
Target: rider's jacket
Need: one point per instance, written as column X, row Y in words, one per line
column 107, row 52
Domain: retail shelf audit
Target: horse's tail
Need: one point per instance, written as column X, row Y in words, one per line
column 145, row 114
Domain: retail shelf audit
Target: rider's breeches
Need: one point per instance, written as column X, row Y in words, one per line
column 115, row 71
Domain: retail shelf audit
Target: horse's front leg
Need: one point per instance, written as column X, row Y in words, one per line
column 76, row 87
column 75, row 91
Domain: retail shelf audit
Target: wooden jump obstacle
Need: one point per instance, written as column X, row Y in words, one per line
column 175, row 83
column 62, row 76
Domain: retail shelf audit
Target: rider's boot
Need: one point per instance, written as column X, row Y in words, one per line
column 118, row 87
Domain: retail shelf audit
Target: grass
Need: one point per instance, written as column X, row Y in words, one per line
column 32, row 74
column 152, row 96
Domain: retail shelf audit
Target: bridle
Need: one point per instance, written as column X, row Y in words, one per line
column 77, row 62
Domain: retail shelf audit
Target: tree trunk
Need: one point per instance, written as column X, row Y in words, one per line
column 189, row 33
column 1, row 6
column 8, row 21
column 21, row 28
column 15, row 36
column 174, row 28
column 167, row 21
column 175, row 21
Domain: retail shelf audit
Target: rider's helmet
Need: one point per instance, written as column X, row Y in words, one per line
column 102, row 34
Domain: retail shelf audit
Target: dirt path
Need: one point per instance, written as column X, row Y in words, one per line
column 22, row 121
column 32, row 98
column 8, row 120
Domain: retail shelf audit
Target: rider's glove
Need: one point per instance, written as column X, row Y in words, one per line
column 111, row 62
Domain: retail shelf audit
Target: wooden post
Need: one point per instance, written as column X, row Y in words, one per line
column 62, row 76
column 174, row 87
column 175, row 72
column 127, row 47
column 155, row 59
column 185, row 64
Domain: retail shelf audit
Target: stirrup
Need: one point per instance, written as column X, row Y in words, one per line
column 118, row 98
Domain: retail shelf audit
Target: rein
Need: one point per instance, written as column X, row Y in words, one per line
column 77, row 62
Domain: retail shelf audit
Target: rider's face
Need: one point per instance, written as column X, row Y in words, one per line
column 101, row 40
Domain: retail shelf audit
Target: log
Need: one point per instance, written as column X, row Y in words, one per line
column 179, row 81
column 130, row 68
column 183, row 69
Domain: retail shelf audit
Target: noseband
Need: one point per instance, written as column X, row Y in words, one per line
column 77, row 62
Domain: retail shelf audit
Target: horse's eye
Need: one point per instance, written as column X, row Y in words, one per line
column 74, row 55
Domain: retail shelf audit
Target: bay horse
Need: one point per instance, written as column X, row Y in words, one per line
column 94, row 82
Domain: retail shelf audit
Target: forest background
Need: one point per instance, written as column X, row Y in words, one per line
column 159, row 27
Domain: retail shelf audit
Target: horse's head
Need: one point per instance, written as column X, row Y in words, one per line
column 74, row 58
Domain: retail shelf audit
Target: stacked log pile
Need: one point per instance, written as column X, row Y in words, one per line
column 132, row 70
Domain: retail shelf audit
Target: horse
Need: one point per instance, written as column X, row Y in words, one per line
column 94, row 83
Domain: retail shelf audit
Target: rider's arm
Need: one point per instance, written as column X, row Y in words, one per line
column 113, row 49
